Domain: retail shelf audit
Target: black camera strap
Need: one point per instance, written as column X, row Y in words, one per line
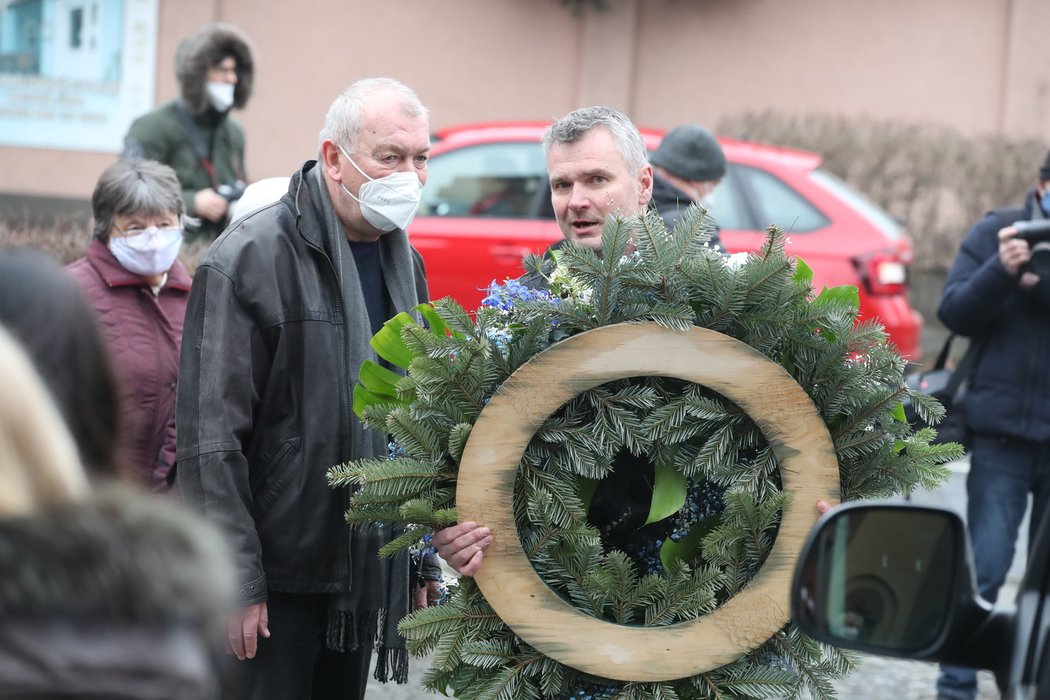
column 197, row 141
column 966, row 366
column 199, row 144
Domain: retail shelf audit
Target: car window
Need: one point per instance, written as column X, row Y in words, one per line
column 493, row 180
column 776, row 202
column 879, row 218
column 726, row 204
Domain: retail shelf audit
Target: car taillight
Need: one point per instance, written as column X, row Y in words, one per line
column 883, row 273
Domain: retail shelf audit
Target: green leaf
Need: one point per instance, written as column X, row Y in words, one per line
column 845, row 294
column 686, row 549
column 803, row 272
column 378, row 380
column 388, row 344
column 669, row 491
column 898, row 413
column 363, row 398
column 436, row 323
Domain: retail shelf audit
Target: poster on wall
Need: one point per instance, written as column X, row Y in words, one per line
column 74, row 73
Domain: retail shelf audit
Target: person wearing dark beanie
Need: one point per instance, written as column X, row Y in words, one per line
column 687, row 166
column 1044, row 172
column 1003, row 307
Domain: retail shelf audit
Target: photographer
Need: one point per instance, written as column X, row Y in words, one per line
column 999, row 299
column 195, row 134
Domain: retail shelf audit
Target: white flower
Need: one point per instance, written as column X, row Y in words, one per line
column 736, row 261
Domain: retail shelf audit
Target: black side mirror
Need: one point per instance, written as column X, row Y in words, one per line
column 896, row 579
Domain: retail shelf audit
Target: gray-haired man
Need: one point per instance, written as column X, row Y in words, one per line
column 279, row 321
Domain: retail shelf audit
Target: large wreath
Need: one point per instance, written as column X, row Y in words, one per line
column 646, row 501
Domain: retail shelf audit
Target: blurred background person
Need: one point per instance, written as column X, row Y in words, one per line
column 39, row 465
column 138, row 288
column 259, row 194
column 132, row 584
column 687, row 167
column 194, row 134
column 992, row 297
column 45, row 310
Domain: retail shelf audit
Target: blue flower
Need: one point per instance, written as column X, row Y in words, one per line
column 507, row 295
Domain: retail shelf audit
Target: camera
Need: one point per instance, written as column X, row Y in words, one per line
column 1037, row 235
column 231, row 191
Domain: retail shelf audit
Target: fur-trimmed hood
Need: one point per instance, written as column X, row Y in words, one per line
column 122, row 557
column 202, row 50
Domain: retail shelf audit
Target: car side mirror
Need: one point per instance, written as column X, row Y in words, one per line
column 893, row 579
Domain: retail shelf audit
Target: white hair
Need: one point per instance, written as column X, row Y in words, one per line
column 343, row 121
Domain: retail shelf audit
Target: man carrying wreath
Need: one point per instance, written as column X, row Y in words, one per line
column 596, row 161
column 597, row 164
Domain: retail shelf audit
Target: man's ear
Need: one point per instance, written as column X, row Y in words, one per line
column 645, row 185
column 333, row 166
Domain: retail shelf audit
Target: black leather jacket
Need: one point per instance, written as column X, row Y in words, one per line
column 264, row 402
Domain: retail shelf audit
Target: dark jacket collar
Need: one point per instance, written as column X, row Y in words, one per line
column 302, row 200
column 664, row 192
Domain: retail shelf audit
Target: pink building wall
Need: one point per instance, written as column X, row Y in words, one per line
column 975, row 65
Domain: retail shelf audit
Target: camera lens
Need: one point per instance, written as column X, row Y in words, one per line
column 1039, row 263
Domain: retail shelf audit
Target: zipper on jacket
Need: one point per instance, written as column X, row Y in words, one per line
column 346, row 436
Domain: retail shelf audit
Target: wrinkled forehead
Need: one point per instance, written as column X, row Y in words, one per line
column 388, row 125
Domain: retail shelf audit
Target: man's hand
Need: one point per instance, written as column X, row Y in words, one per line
column 244, row 628
column 425, row 596
column 210, row 205
column 1013, row 252
column 462, row 546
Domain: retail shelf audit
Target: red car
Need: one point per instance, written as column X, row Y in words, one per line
column 487, row 203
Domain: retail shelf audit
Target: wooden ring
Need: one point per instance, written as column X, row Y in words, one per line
column 485, row 494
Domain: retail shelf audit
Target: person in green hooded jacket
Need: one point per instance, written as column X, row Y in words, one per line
column 194, row 134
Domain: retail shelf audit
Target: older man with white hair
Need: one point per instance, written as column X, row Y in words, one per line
column 280, row 316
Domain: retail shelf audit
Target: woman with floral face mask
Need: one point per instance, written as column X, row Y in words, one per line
column 132, row 277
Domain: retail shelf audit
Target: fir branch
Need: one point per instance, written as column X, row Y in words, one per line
column 457, row 440
column 511, row 683
column 370, row 514
column 404, row 477
column 487, row 653
column 758, row 681
column 402, row 542
column 419, row 440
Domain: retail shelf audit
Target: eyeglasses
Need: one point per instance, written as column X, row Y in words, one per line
column 138, row 230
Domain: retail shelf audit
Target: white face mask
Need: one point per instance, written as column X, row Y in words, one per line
column 220, row 95
column 149, row 253
column 388, row 202
column 707, row 198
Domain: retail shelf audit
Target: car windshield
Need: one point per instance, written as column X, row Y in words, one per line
column 495, row 179
column 878, row 217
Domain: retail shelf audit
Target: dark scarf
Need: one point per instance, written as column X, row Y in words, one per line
column 379, row 594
